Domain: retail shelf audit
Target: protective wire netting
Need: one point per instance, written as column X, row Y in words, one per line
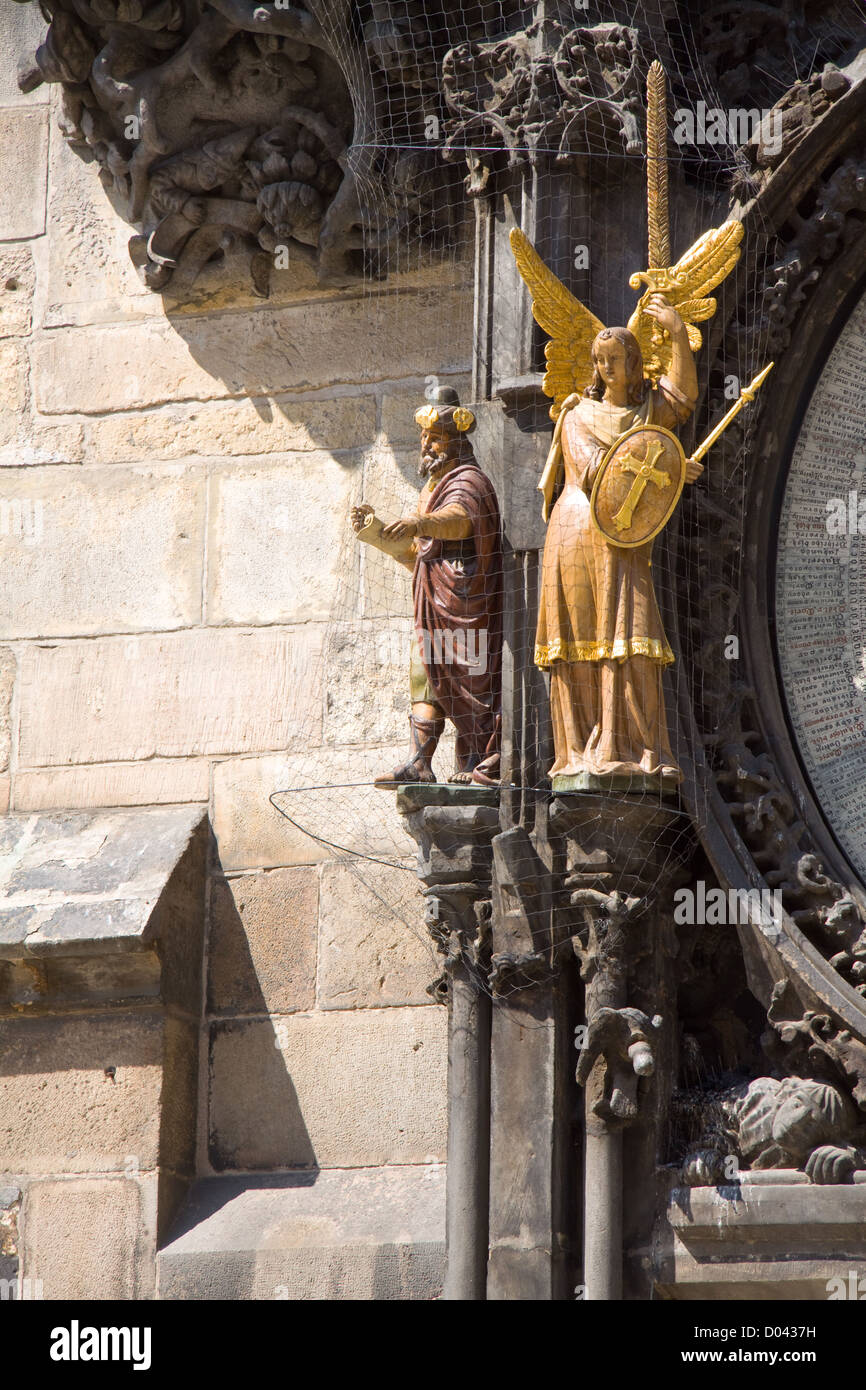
column 527, row 111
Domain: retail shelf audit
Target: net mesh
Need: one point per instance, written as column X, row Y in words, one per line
column 553, row 115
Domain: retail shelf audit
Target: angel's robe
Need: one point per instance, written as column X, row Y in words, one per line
column 457, row 588
column 599, row 628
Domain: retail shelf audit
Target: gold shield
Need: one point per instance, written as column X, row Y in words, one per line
column 638, row 486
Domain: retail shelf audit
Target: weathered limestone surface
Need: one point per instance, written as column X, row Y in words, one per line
column 262, row 956
column 764, row 1238
column 86, row 881
column 85, row 273
column 169, row 695
column 252, row 833
column 373, row 948
column 13, row 390
column 368, row 1234
column 61, row 1111
column 275, row 554
column 19, row 26
column 105, row 1265
column 70, row 583
column 350, row 1088
column 117, row 367
column 159, row 781
column 245, row 427
column 24, row 141
column 7, row 682
column 17, row 282
column 361, row 657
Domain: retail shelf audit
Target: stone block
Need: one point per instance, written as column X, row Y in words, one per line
column 203, row 691
column 82, row 1238
column 262, row 951
column 279, row 537
column 22, row 29
column 80, row 1094
column 771, row 1236
column 24, row 141
column 391, row 479
column 325, row 342
column 59, row 983
column 366, row 1234
column 5, row 794
column 13, row 371
column 30, row 442
column 100, row 550
column 373, row 946
column 178, row 1096
column 344, row 1089
column 8, row 667
column 17, row 283
column 151, row 783
column 85, row 272
column 85, row 883
column 13, row 398
column 328, row 794
column 367, row 681
column 230, row 428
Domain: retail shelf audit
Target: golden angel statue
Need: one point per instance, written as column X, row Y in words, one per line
column 618, row 396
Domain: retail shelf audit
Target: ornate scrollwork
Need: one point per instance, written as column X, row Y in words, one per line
column 545, row 89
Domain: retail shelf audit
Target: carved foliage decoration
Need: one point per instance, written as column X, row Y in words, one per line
column 547, row 88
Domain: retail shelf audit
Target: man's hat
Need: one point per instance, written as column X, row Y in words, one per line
column 444, row 409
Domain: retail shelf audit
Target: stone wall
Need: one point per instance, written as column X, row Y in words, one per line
column 174, row 487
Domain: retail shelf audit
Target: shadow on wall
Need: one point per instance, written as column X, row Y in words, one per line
column 254, row 1115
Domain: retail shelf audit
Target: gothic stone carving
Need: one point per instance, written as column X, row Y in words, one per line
column 455, row 865
column 544, row 89
column 233, row 124
column 730, row 718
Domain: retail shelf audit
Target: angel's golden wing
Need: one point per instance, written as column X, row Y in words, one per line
column 687, row 287
column 570, row 326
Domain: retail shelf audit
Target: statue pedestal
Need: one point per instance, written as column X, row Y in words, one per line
column 616, row 783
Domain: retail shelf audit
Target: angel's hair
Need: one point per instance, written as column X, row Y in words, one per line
column 637, row 386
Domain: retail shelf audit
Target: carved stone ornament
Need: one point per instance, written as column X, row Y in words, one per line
column 232, row 124
column 546, row 89
column 762, row 826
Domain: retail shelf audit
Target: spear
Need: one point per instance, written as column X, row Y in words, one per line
column 746, row 395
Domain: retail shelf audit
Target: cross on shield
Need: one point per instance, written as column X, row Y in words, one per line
column 638, row 486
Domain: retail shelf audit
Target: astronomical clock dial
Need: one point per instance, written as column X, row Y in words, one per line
column 821, row 590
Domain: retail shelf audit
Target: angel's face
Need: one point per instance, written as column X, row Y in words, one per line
column 610, row 359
